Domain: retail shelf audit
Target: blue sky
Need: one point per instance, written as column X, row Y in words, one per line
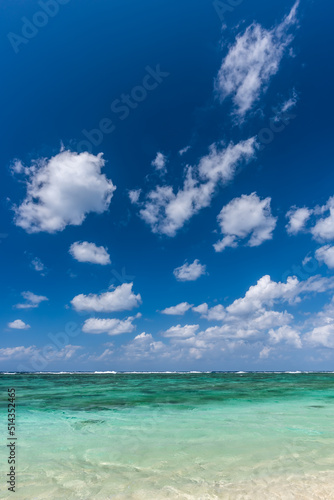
column 167, row 199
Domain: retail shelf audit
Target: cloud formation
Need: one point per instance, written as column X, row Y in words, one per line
column 166, row 211
column 31, row 300
column 252, row 61
column 18, row 324
column 320, row 225
column 181, row 331
column 215, row 313
column 61, row 191
column 325, row 254
column 111, row 326
column 159, row 163
column 83, row 251
column 38, row 265
column 189, row 272
column 243, row 217
column 177, row 310
column 297, row 219
column 120, row 299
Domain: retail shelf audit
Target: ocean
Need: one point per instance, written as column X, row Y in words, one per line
column 152, row 436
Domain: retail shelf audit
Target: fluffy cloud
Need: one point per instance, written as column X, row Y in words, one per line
column 323, row 230
column 120, row 299
column 216, row 313
column 18, row 324
column 266, row 292
column 179, row 331
column 134, row 195
column 144, row 346
column 287, row 334
column 250, row 325
column 62, row 190
column 321, row 328
column 159, row 162
column 167, row 212
column 189, row 272
column 243, row 217
column 89, row 252
column 297, row 219
column 321, row 225
column 252, row 61
column 111, row 326
column 179, row 309
column 32, row 300
column 326, row 254
column 322, row 336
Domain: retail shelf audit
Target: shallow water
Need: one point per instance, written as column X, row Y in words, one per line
column 172, row 436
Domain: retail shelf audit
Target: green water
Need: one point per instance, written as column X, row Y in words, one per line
column 176, row 436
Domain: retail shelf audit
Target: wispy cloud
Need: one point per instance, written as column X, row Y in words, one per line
column 252, row 61
column 32, row 300
column 166, row 211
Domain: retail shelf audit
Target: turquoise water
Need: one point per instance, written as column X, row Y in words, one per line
column 176, row 436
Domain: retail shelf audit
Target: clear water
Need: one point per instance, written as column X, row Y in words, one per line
column 171, row 436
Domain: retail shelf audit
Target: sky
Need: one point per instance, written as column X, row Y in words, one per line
column 167, row 196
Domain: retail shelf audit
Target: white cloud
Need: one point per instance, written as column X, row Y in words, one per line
column 179, row 309
column 324, row 227
column 246, row 324
column 243, row 217
column 134, row 195
column 286, row 333
column 220, row 164
column 189, row 272
column 120, row 299
column 62, row 190
column 326, row 254
column 264, row 353
column 18, row 324
column 89, row 252
column 144, row 335
column 36, row 355
column 184, row 150
column 281, row 112
column 179, row 331
column 297, row 219
column 111, row 326
column 322, row 336
column 167, row 212
column 266, row 292
column 321, row 332
column 32, row 300
column 216, row 313
column 143, row 346
column 159, row 162
column 227, row 241
column 19, row 352
column 38, row 265
column 252, row 61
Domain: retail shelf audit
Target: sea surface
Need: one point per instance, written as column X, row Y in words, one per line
column 154, row 436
